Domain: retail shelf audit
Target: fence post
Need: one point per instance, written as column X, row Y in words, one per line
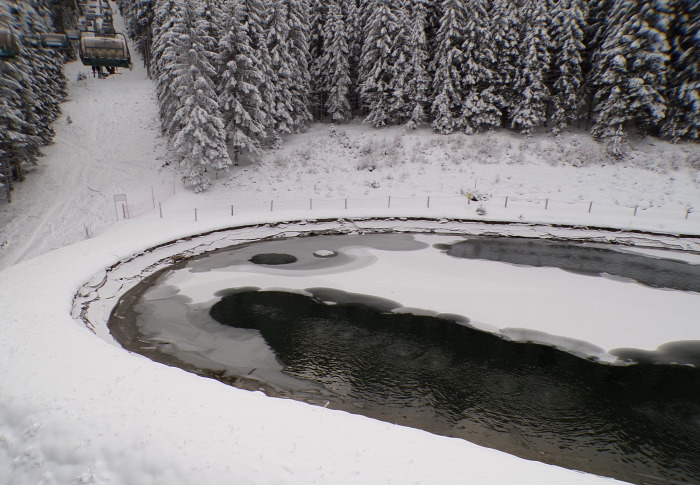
column 346, row 203
column 388, row 204
column 231, row 209
column 160, row 209
column 635, row 210
column 311, row 205
column 590, row 206
column 506, row 204
column 272, row 204
column 153, row 196
column 546, row 204
column 195, row 215
column 428, row 202
column 687, row 212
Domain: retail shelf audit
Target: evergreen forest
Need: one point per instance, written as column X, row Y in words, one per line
column 234, row 76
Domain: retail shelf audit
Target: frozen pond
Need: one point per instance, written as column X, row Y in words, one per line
column 279, row 316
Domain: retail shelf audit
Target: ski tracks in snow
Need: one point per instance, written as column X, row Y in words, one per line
column 107, row 148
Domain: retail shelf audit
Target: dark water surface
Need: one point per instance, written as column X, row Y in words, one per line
column 639, row 423
column 586, row 259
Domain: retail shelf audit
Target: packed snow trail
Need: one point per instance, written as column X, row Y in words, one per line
column 106, row 143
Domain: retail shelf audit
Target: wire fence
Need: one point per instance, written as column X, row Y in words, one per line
column 501, row 208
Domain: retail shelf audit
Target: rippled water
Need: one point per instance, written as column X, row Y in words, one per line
column 628, row 422
column 639, row 423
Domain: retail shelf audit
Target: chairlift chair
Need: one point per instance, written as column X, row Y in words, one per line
column 8, row 42
column 72, row 34
column 100, row 51
column 54, row 40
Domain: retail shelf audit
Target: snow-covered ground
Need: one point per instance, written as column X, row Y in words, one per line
column 76, row 408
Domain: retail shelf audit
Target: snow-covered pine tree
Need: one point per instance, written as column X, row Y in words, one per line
column 479, row 102
column 567, row 31
column 164, row 15
column 630, row 71
column 209, row 31
column 530, row 86
column 505, row 33
column 18, row 142
column 281, row 68
column 255, row 25
column 169, row 34
column 683, row 91
column 32, row 86
column 353, row 29
column 333, row 66
column 317, row 18
column 448, row 65
column 417, row 90
column 298, row 48
column 44, row 67
column 398, row 108
column 199, row 137
column 596, row 28
column 138, row 16
column 376, row 62
column 241, row 106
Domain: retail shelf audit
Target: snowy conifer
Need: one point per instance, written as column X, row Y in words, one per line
column 376, row 62
column 333, row 66
column 630, row 70
column 241, row 106
column 505, row 32
column 281, row 69
column 683, row 91
column 254, row 21
column 479, row 105
column 418, row 79
column 530, row 86
column 169, row 37
column 298, row 48
column 448, row 65
column 353, row 30
column 567, row 31
column 317, row 18
column 197, row 127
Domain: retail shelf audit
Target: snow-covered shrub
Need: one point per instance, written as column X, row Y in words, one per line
column 368, row 147
column 366, row 163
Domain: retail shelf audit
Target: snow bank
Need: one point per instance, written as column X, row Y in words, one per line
column 76, row 408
